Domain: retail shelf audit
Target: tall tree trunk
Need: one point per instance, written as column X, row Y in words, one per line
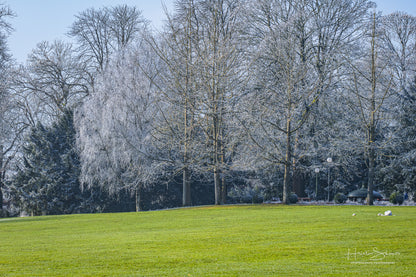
column 217, row 186
column 216, row 148
column 215, row 97
column 371, row 127
column 186, row 197
column 217, row 158
column 1, row 176
column 223, row 184
column 286, row 178
column 139, row 198
column 296, row 182
column 186, row 184
column 217, row 171
column 371, row 167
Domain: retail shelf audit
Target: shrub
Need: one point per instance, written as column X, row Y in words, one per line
column 340, row 198
column 396, row 198
column 4, row 213
column 270, row 192
column 257, row 196
column 246, row 195
column 293, row 198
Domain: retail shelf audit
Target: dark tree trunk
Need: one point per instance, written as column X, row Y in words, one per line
column 139, row 199
column 217, row 186
column 372, row 122
column 1, row 177
column 370, row 188
column 286, row 178
column 186, row 197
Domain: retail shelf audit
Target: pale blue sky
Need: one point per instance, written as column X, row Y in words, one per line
column 48, row 20
column 39, row 20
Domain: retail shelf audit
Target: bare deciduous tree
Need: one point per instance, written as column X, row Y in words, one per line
column 222, row 77
column 53, row 80
column 372, row 85
column 398, row 47
column 102, row 32
column 177, row 86
column 298, row 64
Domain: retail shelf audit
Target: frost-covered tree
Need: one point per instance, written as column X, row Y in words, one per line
column 177, row 85
column 397, row 168
column 283, row 88
column 407, row 142
column 8, row 134
column 114, row 129
column 298, row 57
column 5, row 29
column 53, row 80
column 398, row 44
column 295, row 59
column 221, row 72
column 201, row 73
column 371, row 83
column 331, row 33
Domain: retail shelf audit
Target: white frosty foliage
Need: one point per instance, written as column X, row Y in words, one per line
column 114, row 127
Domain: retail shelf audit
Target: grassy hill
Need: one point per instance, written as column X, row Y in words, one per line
column 261, row 240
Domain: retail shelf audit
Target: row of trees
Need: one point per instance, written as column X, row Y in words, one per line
column 228, row 95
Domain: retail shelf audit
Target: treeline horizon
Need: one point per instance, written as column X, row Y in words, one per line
column 231, row 101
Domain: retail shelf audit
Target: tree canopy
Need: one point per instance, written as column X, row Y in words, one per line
column 231, row 100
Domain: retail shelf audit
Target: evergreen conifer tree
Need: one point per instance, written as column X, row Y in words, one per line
column 48, row 182
column 407, row 156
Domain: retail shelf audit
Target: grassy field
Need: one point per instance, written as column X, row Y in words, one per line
column 261, row 240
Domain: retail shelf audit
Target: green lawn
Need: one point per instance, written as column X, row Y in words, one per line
column 261, row 240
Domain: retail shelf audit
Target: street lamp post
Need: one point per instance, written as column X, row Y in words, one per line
column 329, row 160
column 316, row 183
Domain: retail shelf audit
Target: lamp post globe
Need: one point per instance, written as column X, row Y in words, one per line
column 316, row 183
